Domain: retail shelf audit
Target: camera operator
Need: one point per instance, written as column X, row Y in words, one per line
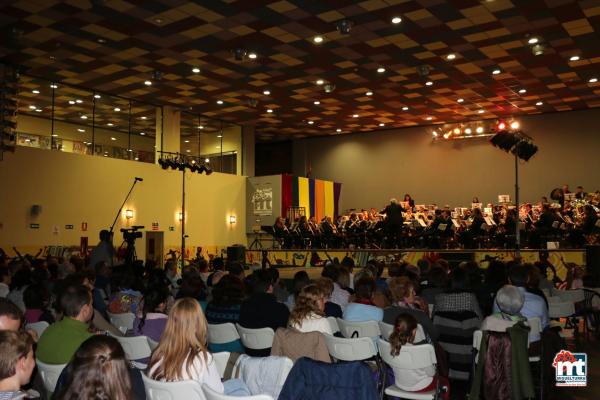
column 104, row 251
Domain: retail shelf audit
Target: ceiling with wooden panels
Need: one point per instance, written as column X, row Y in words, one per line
column 114, row 46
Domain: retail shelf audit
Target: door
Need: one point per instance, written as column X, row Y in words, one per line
column 154, row 247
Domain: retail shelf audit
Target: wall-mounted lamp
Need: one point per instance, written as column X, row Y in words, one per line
column 232, row 219
column 180, row 216
column 128, row 214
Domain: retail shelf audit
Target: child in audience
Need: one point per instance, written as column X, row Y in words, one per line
column 182, row 355
column 16, row 363
column 308, row 313
column 153, row 318
column 98, row 370
column 414, row 380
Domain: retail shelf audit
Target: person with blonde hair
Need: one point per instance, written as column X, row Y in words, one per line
column 308, row 313
column 182, row 351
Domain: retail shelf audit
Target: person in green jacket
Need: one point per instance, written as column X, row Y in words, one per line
column 60, row 340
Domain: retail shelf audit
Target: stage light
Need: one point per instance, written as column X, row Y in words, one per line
column 435, row 134
column 501, row 126
column 447, row 135
column 515, row 125
column 457, row 131
column 128, row 214
column 318, row 39
column 396, row 20
column 506, row 140
column 479, row 129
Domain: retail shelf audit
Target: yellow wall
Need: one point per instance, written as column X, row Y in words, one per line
column 73, row 188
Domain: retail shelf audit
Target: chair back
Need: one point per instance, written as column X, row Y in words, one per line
column 333, row 324
column 222, row 333
column 156, row 390
column 350, row 349
column 38, row 327
column 573, row 295
column 410, row 357
column 122, row 322
column 561, row 309
column 50, row 374
column 535, row 326
column 477, row 337
column 153, row 345
column 212, row 395
column 221, row 359
column 351, row 329
column 256, row 339
column 135, row 347
column 385, row 329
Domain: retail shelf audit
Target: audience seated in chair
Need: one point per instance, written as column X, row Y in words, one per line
column 37, row 300
column 509, row 301
column 16, row 363
column 331, row 309
column 339, row 295
column 152, row 319
column 362, row 307
column 300, row 280
column 127, row 298
column 182, row 354
column 225, row 306
column 11, row 316
column 308, row 313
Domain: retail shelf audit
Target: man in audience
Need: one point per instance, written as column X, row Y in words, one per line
column 339, row 296
column 5, row 279
column 172, row 275
column 11, row 316
column 237, row 270
column 61, row 339
column 533, row 305
column 218, row 266
column 16, row 363
column 261, row 309
column 104, row 250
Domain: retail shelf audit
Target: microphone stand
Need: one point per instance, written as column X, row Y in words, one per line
column 122, row 205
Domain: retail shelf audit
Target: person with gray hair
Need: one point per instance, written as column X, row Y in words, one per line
column 509, row 301
column 393, row 223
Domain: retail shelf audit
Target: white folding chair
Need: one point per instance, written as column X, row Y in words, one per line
column 153, row 345
column 410, row 358
column 574, row 295
column 561, row 309
column 123, row 322
column 363, row 328
column 38, row 327
column 49, row 374
column 387, row 329
column 135, row 347
column 430, row 308
column 212, row 395
column 156, row 390
column 221, row 359
column 333, row 324
column 344, row 349
column 256, row 339
column 222, row 333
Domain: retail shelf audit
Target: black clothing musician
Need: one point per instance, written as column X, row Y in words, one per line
column 580, row 194
column 475, row 229
column 282, row 234
column 590, row 219
column 543, row 226
column 394, row 222
column 409, row 200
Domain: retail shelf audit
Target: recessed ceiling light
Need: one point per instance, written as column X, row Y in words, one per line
column 71, row 102
column 35, row 91
column 429, row 118
column 219, row 136
column 522, row 91
column 381, row 124
column 496, row 71
column 117, row 109
column 355, row 116
column 54, row 135
column 593, row 80
column 460, row 100
column 159, row 20
column 396, row 20
column 78, row 101
column 187, row 150
column 539, row 103
column 316, row 102
column 219, row 101
column 196, row 70
column 318, row 39
column 266, row 92
column 338, row 130
column 405, row 108
column 479, row 129
column 113, row 138
column 481, row 111
column 200, row 126
column 80, row 130
column 186, row 141
column 451, row 56
column 110, row 124
column 53, row 86
column 144, row 117
column 320, row 82
column 533, row 40
column 101, row 40
column 468, row 131
column 38, row 110
column 83, row 117
column 252, row 56
column 143, row 133
column 381, row 70
column 429, row 83
column 148, row 83
column 32, row 107
column 369, row 93
column 311, row 122
column 269, row 110
column 97, row 96
column 574, row 58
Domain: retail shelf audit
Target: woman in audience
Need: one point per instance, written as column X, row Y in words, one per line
column 308, row 315
column 510, row 302
column 363, row 308
column 98, row 370
column 181, row 353
column 437, row 281
column 331, row 309
column 16, row 363
column 20, row 280
column 301, row 279
column 192, row 286
column 153, row 318
column 37, row 299
column 413, row 380
column 228, row 295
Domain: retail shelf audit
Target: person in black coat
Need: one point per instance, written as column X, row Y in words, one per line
column 394, row 221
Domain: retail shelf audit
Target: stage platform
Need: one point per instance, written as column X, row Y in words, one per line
column 292, row 260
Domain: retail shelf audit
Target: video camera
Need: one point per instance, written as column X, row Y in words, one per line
column 130, row 234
